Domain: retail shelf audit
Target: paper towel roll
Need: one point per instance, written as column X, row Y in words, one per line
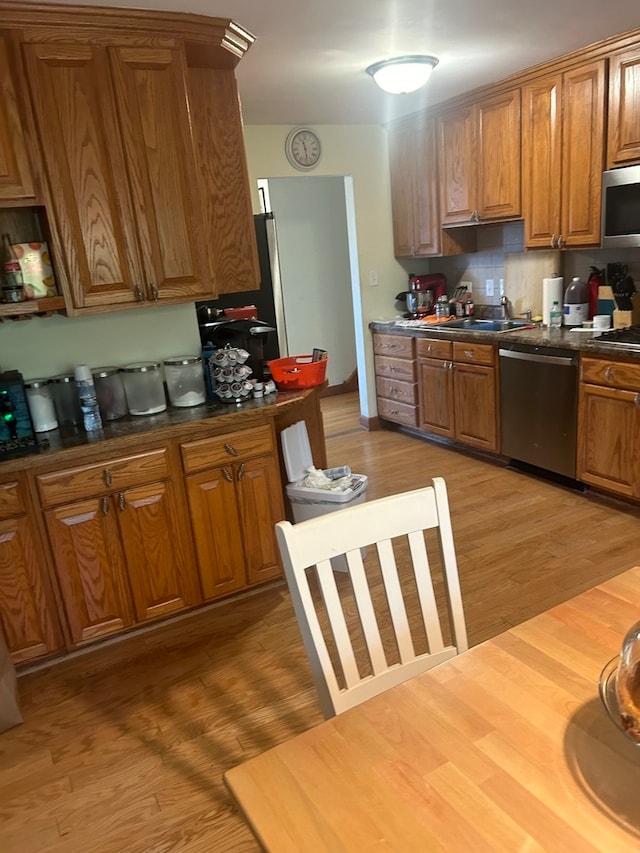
column 552, row 291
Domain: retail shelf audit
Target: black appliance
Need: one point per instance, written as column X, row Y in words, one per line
column 268, row 299
column 17, row 435
column 627, row 338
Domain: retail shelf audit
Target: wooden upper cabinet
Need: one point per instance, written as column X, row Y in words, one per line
column 222, row 173
column 457, row 166
column 498, row 137
column 150, row 88
column 414, row 195
column 583, row 114
column 542, row 159
column 623, row 136
column 115, row 133
column 563, row 156
column 81, row 145
column 16, row 181
column 479, row 161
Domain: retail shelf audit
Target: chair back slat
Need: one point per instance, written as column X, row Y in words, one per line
column 362, row 628
column 397, row 608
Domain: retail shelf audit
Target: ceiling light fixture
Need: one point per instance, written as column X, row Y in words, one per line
column 403, row 74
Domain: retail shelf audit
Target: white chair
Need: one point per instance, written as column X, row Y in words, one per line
column 363, row 629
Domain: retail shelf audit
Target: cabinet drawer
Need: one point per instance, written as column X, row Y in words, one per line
column 395, row 368
column 403, row 392
column 110, row 475
column 229, row 447
column 399, row 413
column 11, row 501
column 397, row 345
column 468, row 353
column 612, row 374
column 430, row 348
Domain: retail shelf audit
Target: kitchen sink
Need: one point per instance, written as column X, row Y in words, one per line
column 473, row 325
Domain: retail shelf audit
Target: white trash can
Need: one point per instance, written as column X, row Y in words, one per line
column 309, row 502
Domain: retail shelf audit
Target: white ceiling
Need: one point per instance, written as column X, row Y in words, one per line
column 308, row 63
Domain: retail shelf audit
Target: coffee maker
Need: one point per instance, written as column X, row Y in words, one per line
column 420, row 299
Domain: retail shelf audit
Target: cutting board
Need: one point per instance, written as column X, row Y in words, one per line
column 523, row 274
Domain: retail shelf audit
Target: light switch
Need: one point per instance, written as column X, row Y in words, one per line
column 373, row 278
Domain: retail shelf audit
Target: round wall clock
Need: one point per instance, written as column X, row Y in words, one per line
column 302, row 148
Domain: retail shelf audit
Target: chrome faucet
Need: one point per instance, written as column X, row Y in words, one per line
column 505, row 305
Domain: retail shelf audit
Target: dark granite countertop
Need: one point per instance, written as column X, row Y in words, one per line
column 542, row 336
column 74, row 442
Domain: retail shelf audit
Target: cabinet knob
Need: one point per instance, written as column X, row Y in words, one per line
column 107, row 477
column 231, row 450
column 227, row 475
column 241, row 471
column 154, row 293
column 121, row 500
column 105, row 505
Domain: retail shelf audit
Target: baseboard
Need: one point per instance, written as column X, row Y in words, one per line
column 346, row 387
column 370, row 423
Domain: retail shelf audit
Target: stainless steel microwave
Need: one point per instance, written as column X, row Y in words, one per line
column 621, row 207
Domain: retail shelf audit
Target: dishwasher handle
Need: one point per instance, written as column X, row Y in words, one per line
column 561, row 360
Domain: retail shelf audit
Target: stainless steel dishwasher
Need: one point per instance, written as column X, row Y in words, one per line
column 538, row 406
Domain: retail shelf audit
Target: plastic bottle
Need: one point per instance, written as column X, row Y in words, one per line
column 576, row 302
column 88, row 399
column 555, row 315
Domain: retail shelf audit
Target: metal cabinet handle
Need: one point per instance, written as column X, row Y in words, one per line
column 227, row 475
column 121, row 500
column 154, row 293
column 554, row 241
column 107, row 477
column 231, row 450
column 636, row 400
column 105, row 505
column 561, row 242
column 139, row 294
column 608, row 374
column 241, row 471
column 475, row 216
column 468, row 353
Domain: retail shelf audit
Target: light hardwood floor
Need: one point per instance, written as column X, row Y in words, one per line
column 123, row 748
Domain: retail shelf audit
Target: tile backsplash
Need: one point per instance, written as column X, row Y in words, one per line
column 501, row 265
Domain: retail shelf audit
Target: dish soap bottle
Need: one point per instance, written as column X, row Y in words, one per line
column 555, row 316
column 576, row 302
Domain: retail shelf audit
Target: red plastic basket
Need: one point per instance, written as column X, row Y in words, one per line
column 298, row 371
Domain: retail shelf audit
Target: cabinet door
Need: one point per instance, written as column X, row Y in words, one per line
column 435, row 383
column 90, row 568
column 222, row 173
column 217, row 531
column 150, row 86
column 457, row 166
column 425, row 203
column 401, row 167
column 541, row 160
column 583, row 153
column 80, row 141
column 498, row 150
column 15, row 172
column 261, row 506
column 154, row 550
column 623, row 139
column 608, row 429
column 26, row 615
column 476, row 406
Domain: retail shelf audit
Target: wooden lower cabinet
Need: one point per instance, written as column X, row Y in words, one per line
column 396, row 378
column 117, row 535
column 234, row 507
column 458, row 392
column 609, row 426
column 27, row 614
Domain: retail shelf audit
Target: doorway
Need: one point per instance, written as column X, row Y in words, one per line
column 316, row 253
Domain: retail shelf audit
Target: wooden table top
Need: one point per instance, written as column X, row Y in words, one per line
column 506, row 747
